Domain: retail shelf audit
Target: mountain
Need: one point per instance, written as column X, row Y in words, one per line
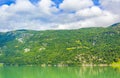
column 94, row 45
column 116, row 25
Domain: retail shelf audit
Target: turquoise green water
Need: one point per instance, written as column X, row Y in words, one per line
column 58, row 72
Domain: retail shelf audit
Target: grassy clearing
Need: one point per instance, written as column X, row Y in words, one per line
column 1, row 64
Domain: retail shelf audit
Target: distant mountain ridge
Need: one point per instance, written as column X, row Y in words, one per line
column 115, row 25
column 61, row 47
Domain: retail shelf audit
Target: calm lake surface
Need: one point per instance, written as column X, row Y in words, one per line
column 58, row 72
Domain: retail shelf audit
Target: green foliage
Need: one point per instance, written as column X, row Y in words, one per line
column 65, row 47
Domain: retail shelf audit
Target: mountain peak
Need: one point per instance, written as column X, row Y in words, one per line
column 115, row 25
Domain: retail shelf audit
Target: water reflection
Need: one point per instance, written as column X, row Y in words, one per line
column 117, row 68
column 58, row 72
column 97, row 72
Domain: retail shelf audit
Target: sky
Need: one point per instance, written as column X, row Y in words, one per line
column 57, row 14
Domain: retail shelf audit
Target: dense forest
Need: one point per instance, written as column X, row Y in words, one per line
column 95, row 45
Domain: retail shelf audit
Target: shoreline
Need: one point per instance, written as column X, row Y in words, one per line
column 60, row 65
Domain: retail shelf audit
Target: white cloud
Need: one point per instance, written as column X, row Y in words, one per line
column 25, row 15
column 89, row 12
column 46, row 6
column 97, row 16
column 75, row 5
column 22, row 5
column 103, row 20
column 111, row 5
column 44, row 15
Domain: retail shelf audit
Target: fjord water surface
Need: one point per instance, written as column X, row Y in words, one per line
column 58, row 72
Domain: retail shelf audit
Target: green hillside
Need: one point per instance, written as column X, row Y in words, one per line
column 61, row 47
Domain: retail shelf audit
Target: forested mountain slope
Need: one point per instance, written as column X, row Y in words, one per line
column 61, row 47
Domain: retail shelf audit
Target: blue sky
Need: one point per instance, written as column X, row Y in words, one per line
column 8, row 2
column 57, row 2
column 57, row 14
